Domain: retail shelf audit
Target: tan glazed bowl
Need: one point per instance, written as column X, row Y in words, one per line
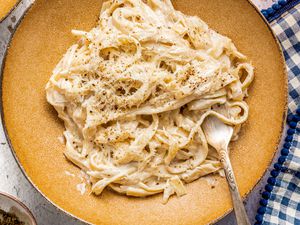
column 32, row 126
column 6, row 6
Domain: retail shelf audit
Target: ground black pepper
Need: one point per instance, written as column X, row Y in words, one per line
column 9, row 219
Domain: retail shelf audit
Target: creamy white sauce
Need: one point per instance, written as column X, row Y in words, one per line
column 134, row 91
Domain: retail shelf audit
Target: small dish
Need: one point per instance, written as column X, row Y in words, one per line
column 11, row 204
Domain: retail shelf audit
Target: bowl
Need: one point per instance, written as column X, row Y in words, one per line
column 32, row 127
column 7, row 6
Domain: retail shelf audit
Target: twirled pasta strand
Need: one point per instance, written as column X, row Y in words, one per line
column 133, row 94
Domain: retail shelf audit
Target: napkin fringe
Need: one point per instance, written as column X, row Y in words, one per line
column 277, row 9
column 278, row 167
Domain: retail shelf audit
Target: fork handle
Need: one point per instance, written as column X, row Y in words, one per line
column 239, row 209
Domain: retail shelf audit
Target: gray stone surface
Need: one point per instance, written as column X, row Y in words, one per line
column 14, row 182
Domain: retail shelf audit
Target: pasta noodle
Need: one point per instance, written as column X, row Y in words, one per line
column 135, row 90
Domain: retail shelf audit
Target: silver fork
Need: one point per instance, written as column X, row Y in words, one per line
column 218, row 136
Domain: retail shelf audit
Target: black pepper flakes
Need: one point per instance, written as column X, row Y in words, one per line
column 9, row 218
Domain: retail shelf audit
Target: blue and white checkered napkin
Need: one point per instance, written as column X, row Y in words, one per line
column 280, row 203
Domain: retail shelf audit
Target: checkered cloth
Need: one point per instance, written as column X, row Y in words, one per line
column 283, row 196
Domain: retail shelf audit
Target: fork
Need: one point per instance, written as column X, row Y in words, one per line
column 218, row 135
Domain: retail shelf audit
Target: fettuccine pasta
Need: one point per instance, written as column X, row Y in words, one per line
column 134, row 91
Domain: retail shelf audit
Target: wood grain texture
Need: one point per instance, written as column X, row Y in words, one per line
column 33, row 127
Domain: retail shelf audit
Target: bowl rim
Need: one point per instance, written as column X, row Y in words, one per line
column 10, row 11
column 18, row 201
column 246, row 195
